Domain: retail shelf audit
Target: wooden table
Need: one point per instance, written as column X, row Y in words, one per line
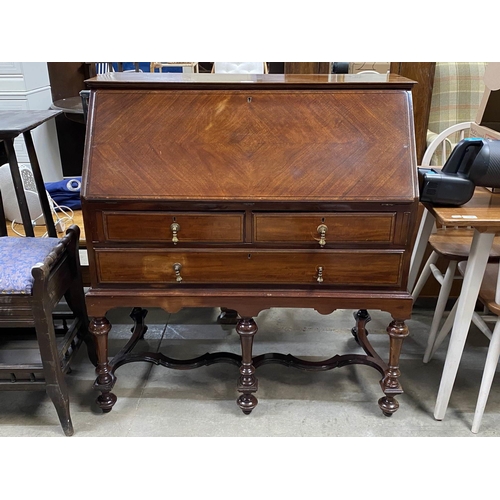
column 250, row 192
column 482, row 213
column 14, row 124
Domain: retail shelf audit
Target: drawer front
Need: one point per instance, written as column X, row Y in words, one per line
column 340, row 267
column 157, row 226
column 338, row 228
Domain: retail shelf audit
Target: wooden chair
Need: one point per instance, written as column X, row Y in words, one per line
column 35, row 274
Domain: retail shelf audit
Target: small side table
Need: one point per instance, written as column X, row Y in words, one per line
column 13, row 124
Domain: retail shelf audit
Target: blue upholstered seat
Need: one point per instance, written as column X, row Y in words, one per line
column 17, row 257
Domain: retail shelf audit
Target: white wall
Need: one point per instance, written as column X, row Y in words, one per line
column 25, row 86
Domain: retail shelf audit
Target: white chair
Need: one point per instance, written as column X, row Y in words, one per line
column 258, row 68
column 449, row 243
column 489, row 295
column 458, row 88
column 101, row 68
column 456, row 96
column 186, row 67
column 444, row 142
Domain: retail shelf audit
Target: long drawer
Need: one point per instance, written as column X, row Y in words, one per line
column 358, row 268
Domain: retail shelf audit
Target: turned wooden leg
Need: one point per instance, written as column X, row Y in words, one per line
column 247, row 382
column 362, row 317
column 397, row 331
column 99, row 328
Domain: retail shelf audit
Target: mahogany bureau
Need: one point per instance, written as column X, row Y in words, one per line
column 249, row 192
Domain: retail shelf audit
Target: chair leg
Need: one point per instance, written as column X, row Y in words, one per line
column 481, row 325
column 54, row 377
column 445, row 330
column 424, row 275
column 60, row 398
column 488, row 374
column 443, row 296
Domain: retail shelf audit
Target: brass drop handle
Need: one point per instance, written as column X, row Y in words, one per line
column 319, row 275
column 322, row 229
column 177, row 270
column 175, row 228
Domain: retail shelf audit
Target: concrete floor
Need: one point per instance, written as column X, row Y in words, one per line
column 156, row 401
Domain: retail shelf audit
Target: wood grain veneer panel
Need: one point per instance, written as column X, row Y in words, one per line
column 260, row 145
column 423, row 74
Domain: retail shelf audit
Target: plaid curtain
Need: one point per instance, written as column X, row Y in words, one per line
column 456, row 95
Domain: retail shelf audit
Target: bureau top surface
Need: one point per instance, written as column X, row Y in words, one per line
column 240, row 81
column 288, row 138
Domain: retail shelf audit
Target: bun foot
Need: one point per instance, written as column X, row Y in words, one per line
column 247, row 402
column 388, row 405
column 106, row 402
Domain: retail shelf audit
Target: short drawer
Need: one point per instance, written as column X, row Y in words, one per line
column 377, row 227
column 158, row 226
column 322, row 267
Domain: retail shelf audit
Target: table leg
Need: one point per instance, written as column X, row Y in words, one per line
column 476, row 265
column 247, row 382
column 40, row 186
column 99, row 328
column 397, row 331
column 18, row 187
column 424, row 231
